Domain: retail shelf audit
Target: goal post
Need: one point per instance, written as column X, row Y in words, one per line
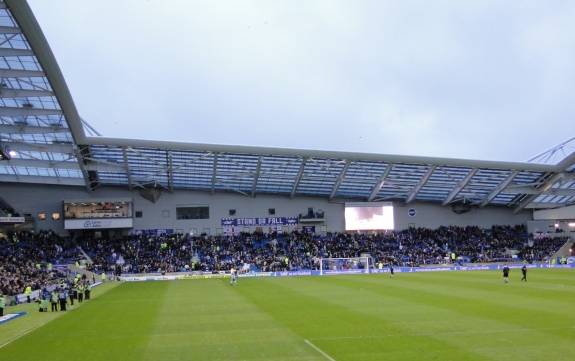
column 345, row 265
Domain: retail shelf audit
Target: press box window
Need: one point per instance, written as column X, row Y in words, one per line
column 232, row 212
column 41, row 216
column 138, row 214
column 271, row 211
column 193, row 212
column 55, row 216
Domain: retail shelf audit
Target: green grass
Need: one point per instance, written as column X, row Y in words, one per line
column 415, row 316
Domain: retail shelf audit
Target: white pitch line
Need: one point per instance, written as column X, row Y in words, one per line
column 61, row 313
column 30, row 330
column 319, row 350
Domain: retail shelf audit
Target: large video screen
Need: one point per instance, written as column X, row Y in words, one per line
column 368, row 218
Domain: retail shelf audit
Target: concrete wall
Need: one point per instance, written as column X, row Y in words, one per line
column 565, row 213
column 35, row 199
column 430, row 215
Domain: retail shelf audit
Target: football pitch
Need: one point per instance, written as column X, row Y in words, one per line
column 462, row 315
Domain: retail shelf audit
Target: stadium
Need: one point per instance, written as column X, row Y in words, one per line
column 339, row 255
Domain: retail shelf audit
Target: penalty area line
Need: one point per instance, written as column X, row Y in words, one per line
column 319, row 350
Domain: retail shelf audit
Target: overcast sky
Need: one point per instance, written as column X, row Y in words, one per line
column 463, row 79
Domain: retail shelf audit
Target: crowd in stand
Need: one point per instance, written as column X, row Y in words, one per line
column 9, row 211
column 268, row 252
column 25, row 257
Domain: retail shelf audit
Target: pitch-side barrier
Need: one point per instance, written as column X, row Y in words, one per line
column 336, row 272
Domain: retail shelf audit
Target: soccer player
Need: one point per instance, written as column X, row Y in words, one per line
column 234, row 274
column 505, row 273
column 524, row 271
column 391, row 270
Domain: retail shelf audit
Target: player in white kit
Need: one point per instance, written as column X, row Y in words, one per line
column 234, row 274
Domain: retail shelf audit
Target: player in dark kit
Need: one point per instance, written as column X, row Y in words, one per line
column 524, row 271
column 505, row 274
column 391, row 270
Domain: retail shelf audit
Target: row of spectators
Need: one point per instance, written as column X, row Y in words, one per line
column 268, row 252
column 9, row 211
column 25, row 257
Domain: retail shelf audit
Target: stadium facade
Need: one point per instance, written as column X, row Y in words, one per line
column 55, row 167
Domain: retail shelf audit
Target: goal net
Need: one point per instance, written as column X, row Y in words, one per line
column 344, row 265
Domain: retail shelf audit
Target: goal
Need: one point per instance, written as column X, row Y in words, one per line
column 344, row 265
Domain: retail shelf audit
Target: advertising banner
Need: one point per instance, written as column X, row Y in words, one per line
column 232, row 231
column 11, row 219
column 265, row 221
column 11, row 316
column 60, row 267
column 335, row 272
column 308, row 229
column 98, row 223
column 151, row 232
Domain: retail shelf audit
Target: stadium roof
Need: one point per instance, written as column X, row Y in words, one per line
column 51, row 144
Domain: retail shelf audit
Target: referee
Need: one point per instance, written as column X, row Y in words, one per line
column 505, row 273
column 524, row 271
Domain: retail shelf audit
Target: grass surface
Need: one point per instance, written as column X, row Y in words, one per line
column 464, row 315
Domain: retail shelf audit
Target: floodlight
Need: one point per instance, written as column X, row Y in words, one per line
column 5, row 154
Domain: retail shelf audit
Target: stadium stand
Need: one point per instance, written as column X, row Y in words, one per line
column 413, row 247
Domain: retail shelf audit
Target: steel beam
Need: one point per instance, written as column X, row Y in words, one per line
column 455, row 191
column 379, row 183
column 340, row 179
column 545, row 205
column 257, row 176
column 9, row 29
column 170, row 171
column 83, row 170
column 214, row 172
column 17, row 93
column 27, row 112
column 411, row 196
column 15, row 52
column 551, row 191
column 103, row 166
column 42, row 180
column 31, row 129
column 299, row 177
column 127, row 167
column 34, row 163
column 38, row 147
column 499, row 188
column 530, row 198
column 19, row 73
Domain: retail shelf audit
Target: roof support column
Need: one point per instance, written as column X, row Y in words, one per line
column 214, row 171
column 340, row 179
column 420, row 184
column 554, row 179
column 170, row 171
column 499, row 188
column 380, row 181
column 127, row 167
column 459, row 187
column 299, row 177
column 257, row 176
